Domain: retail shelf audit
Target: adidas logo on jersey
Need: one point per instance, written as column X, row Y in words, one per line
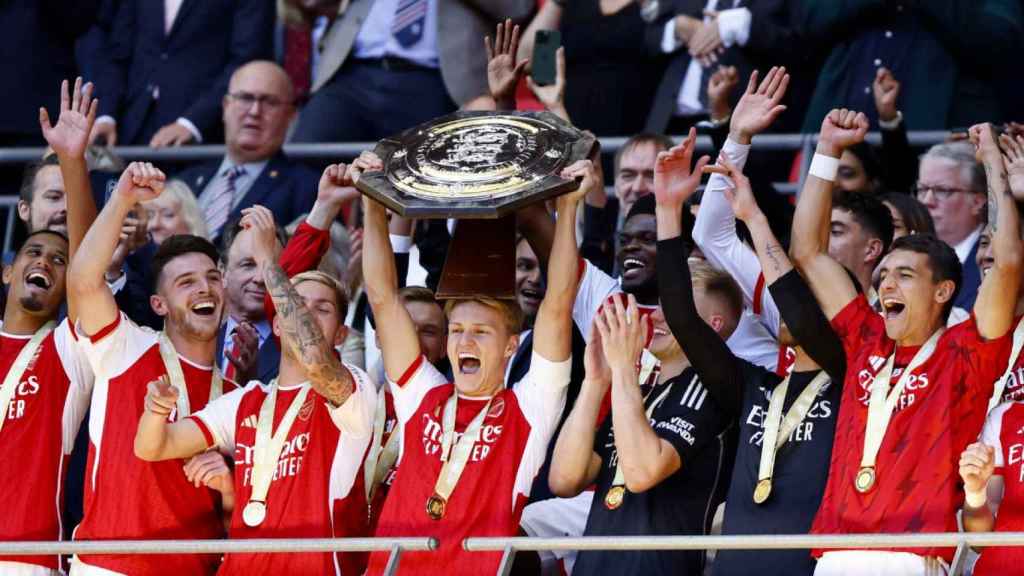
column 249, row 421
column 694, row 395
column 876, row 361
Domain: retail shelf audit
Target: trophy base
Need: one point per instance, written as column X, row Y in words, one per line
column 481, row 260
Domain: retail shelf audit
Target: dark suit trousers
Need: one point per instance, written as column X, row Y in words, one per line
column 364, row 103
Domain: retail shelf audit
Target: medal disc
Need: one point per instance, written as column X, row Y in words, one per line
column 254, row 513
column 865, row 479
column 613, row 499
column 762, row 490
column 435, row 507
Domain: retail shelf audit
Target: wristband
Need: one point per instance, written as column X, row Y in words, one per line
column 824, row 167
column 976, row 501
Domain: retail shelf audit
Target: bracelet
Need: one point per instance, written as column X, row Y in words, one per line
column 891, row 124
column 824, row 167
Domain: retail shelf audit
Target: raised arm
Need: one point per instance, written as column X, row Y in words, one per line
column 997, row 295
column 300, row 331
column 811, row 224
column 139, row 182
column 503, row 69
column 69, row 139
column 157, row 439
column 400, row 346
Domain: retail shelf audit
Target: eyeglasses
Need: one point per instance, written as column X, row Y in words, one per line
column 247, row 99
column 941, row 193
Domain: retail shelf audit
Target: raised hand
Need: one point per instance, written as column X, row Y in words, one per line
column 977, row 463
column 366, row 162
column 133, row 236
column 211, row 470
column 720, row 86
column 674, row 181
column 591, row 173
column 622, row 333
column 336, row 185
column 245, row 343
column 1013, row 158
column 552, row 96
column 739, row 193
column 70, row 136
column 986, row 149
column 597, row 370
column 503, row 72
column 841, row 129
column 886, row 90
column 140, row 181
column 759, row 106
column 260, row 221
column 161, row 397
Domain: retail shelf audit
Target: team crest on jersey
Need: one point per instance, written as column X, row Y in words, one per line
column 307, row 409
column 497, row 408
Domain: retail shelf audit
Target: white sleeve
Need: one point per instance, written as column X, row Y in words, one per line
column 421, row 377
column 668, row 37
column 734, row 26
column 117, row 347
column 219, row 418
column 355, row 415
column 993, row 430
column 752, row 342
column 541, row 397
column 595, row 287
column 714, row 231
column 81, row 379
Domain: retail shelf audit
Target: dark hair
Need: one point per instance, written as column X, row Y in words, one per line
column 869, row 212
column 28, row 179
column 37, row 233
column 647, row 205
column 915, row 216
column 660, row 141
column 869, row 160
column 231, row 230
column 178, row 245
column 942, row 260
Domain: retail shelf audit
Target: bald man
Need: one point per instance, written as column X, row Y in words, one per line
column 257, row 109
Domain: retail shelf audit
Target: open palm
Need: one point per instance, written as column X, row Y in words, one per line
column 502, row 70
column 70, row 136
column 674, row 181
column 760, row 104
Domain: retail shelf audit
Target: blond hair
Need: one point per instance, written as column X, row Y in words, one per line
column 340, row 294
column 187, row 206
column 719, row 285
column 511, row 313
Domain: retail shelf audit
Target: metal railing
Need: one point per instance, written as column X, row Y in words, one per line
column 395, row 547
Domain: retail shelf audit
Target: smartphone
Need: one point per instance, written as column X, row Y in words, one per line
column 542, row 66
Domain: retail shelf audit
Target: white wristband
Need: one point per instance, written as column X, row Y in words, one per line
column 975, row 500
column 824, row 167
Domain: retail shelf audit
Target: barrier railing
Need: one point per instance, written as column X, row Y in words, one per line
column 395, row 547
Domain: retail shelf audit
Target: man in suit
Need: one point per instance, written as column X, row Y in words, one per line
column 257, row 109
column 166, row 64
column 951, row 184
column 700, row 35
column 947, row 54
column 387, row 65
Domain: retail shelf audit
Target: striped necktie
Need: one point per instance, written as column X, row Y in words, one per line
column 407, row 27
column 221, row 200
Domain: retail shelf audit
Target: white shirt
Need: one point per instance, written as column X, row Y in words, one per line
column 964, row 247
column 375, row 39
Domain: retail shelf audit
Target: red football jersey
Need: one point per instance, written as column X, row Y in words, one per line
column 317, row 488
column 1004, row 430
column 490, row 495
column 938, row 414
column 38, row 435
column 125, row 497
column 1014, row 389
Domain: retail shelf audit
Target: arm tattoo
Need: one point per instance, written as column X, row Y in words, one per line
column 776, row 254
column 300, row 332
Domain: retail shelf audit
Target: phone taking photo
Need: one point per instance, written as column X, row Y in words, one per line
column 542, row 67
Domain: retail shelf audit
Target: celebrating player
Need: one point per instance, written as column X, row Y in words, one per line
column 126, row 498
column 912, row 388
column 297, row 442
column 46, row 382
column 470, row 450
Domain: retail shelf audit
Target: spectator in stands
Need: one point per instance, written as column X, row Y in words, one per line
column 175, row 211
column 909, row 216
column 387, row 66
column 740, row 33
column 951, row 184
column 256, row 112
column 42, row 202
column 945, row 54
column 634, row 167
column 166, row 65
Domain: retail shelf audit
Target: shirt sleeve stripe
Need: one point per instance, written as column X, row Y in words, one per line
column 410, row 371
column 205, row 430
column 105, row 330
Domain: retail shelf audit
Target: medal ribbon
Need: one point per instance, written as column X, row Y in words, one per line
column 173, row 366
column 381, row 458
column 1018, row 345
column 775, row 435
column 620, row 476
column 17, row 370
column 268, row 447
column 883, row 400
column 455, row 457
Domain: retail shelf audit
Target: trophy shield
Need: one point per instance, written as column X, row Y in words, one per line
column 478, row 167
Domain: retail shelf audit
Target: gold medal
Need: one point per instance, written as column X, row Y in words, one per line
column 762, row 490
column 435, row 507
column 254, row 513
column 865, row 480
column 613, row 499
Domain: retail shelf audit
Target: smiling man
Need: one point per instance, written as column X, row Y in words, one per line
column 912, row 388
column 163, row 501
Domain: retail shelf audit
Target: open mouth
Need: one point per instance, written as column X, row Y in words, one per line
column 632, row 266
column 531, row 294
column 893, row 308
column 39, row 280
column 468, row 363
column 207, row 308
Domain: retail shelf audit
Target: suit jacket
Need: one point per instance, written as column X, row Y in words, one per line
column 971, row 281
column 287, row 188
column 462, row 25
column 37, row 40
column 268, row 357
column 183, row 73
column 773, row 40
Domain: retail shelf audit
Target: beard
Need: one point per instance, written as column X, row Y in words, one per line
column 31, row 303
column 189, row 328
